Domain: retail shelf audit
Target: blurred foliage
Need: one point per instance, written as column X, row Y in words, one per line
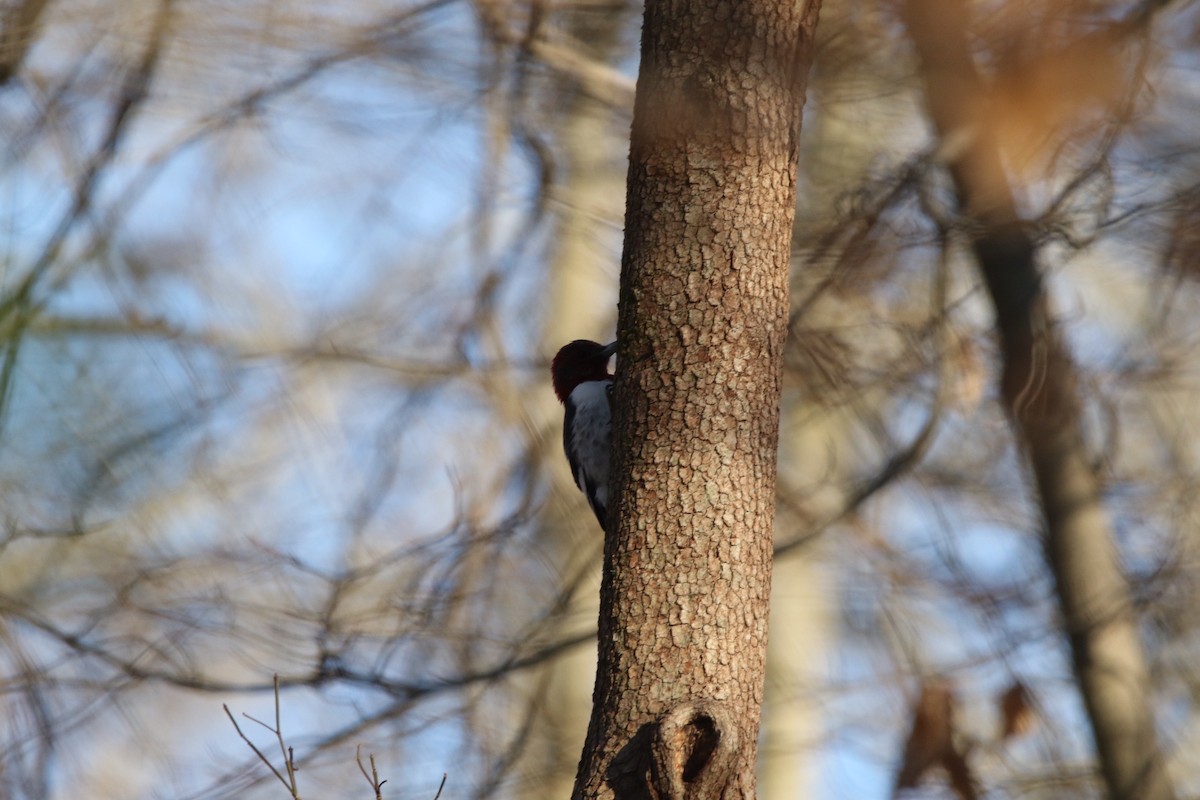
column 279, row 282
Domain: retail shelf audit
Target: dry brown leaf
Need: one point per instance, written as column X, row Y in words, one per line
column 931, row 736
column 931, row 742
column 1016, row 711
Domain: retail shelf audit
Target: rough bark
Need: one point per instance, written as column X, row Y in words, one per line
column 1039, row 387
column 703, row 313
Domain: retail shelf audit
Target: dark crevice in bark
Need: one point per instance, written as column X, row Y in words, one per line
column 690, row 753
column 694, row 750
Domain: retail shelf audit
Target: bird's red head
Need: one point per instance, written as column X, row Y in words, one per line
column 579, row 362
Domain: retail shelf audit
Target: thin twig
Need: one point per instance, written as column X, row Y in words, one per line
column 289, row 757
column 373, row 777
column 289, row 760
column 257, row 752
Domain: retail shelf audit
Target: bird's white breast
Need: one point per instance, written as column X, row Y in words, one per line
column 590, row 433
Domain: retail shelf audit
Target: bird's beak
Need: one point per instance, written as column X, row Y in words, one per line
column 609, row 350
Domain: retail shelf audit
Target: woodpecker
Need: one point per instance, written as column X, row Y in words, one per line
column 584, row 386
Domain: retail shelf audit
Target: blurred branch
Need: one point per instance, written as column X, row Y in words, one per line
column 1039, row 386
column 867, row 207
column 1103, row 46
column 909, row 456
column 18, row 307
column 372, row 41
column 18, row 31
column 133, row 92
column 324, row 671
column 325, row 349
column 559, row 51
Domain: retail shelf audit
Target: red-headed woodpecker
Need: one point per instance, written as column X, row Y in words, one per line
column 584, row 386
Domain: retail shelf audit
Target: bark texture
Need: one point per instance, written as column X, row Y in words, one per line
column 703, row 313
column 1039, row 387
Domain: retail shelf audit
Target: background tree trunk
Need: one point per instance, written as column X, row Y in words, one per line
column 582, row 266
column 703, row 315
column 1039, row 388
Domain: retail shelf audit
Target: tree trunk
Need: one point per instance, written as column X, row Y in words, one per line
column 1040, row 391
column 703, row 314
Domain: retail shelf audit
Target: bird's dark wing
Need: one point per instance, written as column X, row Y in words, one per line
column 568, row 426
column 585, row 485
